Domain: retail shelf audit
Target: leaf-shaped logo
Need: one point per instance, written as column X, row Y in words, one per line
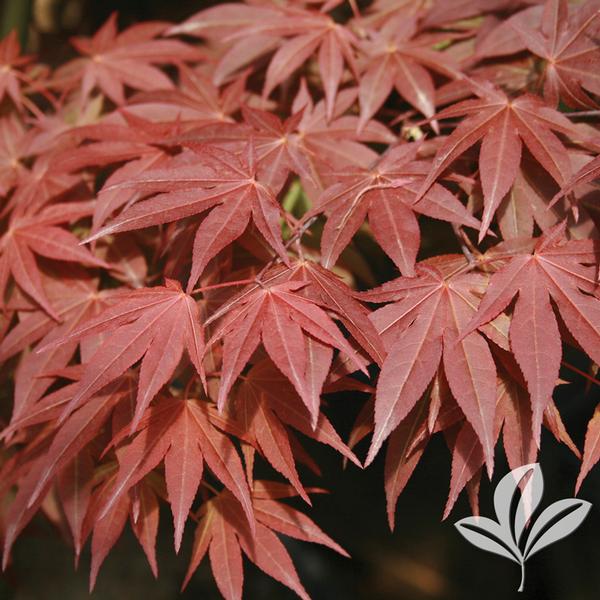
column 506, row 535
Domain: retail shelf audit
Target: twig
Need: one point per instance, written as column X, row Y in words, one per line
column 580, row 372
column 467, row 247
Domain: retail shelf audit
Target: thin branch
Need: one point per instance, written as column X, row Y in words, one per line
column 580, row 372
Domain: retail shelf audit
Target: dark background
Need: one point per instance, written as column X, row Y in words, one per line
column 424, row 559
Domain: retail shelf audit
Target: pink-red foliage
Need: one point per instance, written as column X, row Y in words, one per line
column 181, row 216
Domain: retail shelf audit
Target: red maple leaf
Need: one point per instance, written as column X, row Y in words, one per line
column 154, row 323
column 571, row 57
column 297, row 334
column 398, row 58
column 560, row 270
column 503, row 124
column 386, row 193
column 295, row 32
column 421, row 329
column 224, row 536
column 11, row 75
column 39, row 234
column 205, row 178
column 113, row 60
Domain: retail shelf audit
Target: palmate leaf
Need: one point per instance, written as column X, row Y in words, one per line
column 208, row 178
column 180, row 433
column 269, row 384
column 14, row 146
column 70, row 438
column 556, row 269
column 386, row 194
column 260, row 420
column 587, row 173
column 591, row 450
column 76, row 302
column 467, row 451
column 421, row 327
column 296, row 34
column 40, row 235
column 225, row 536
column 398, row 58
column 75, row 484
column 570, row 56
column 113, row 60
column 283, row 320
column 11, row 63
column 153, row 323
column 401, row 459
column 503, row 124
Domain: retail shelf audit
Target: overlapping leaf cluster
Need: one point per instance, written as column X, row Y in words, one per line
column 183, row 216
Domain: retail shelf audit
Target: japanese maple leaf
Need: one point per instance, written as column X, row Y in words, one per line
column 276, row 143
column 297, row 334
column 51, row 131
column 331, row 293
column 278, row 149
column 271, row 436
column 180, row 433
column 205, row 178
column 225, row 536
column 591, row 449
column 527, row 203
column 295, row 32
column 385, row 194
column 504, row 38
column 54, row 172
column 63, row 444
column 589, row 172
column 195, row 99
column 113, row 60
column 142, row 144
column 467, row 454
column 154, row 323
column 513, row 416
column 48, row 178
column 74, row 486
column 119, row 137
column 559, row 270
column 305, row 143
column 267, row 405
column 312, row 31
column 75, row 297
column 284, row 519
column 11, row 76
column 39, row 234
column 401, row 458
column 266, row 384
column 335, row 144
column 14, row 146
column 106, row 531
column 396, row 57
column 503, row 124
column 571, row 58
column 421, row 328
column 519, row 441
